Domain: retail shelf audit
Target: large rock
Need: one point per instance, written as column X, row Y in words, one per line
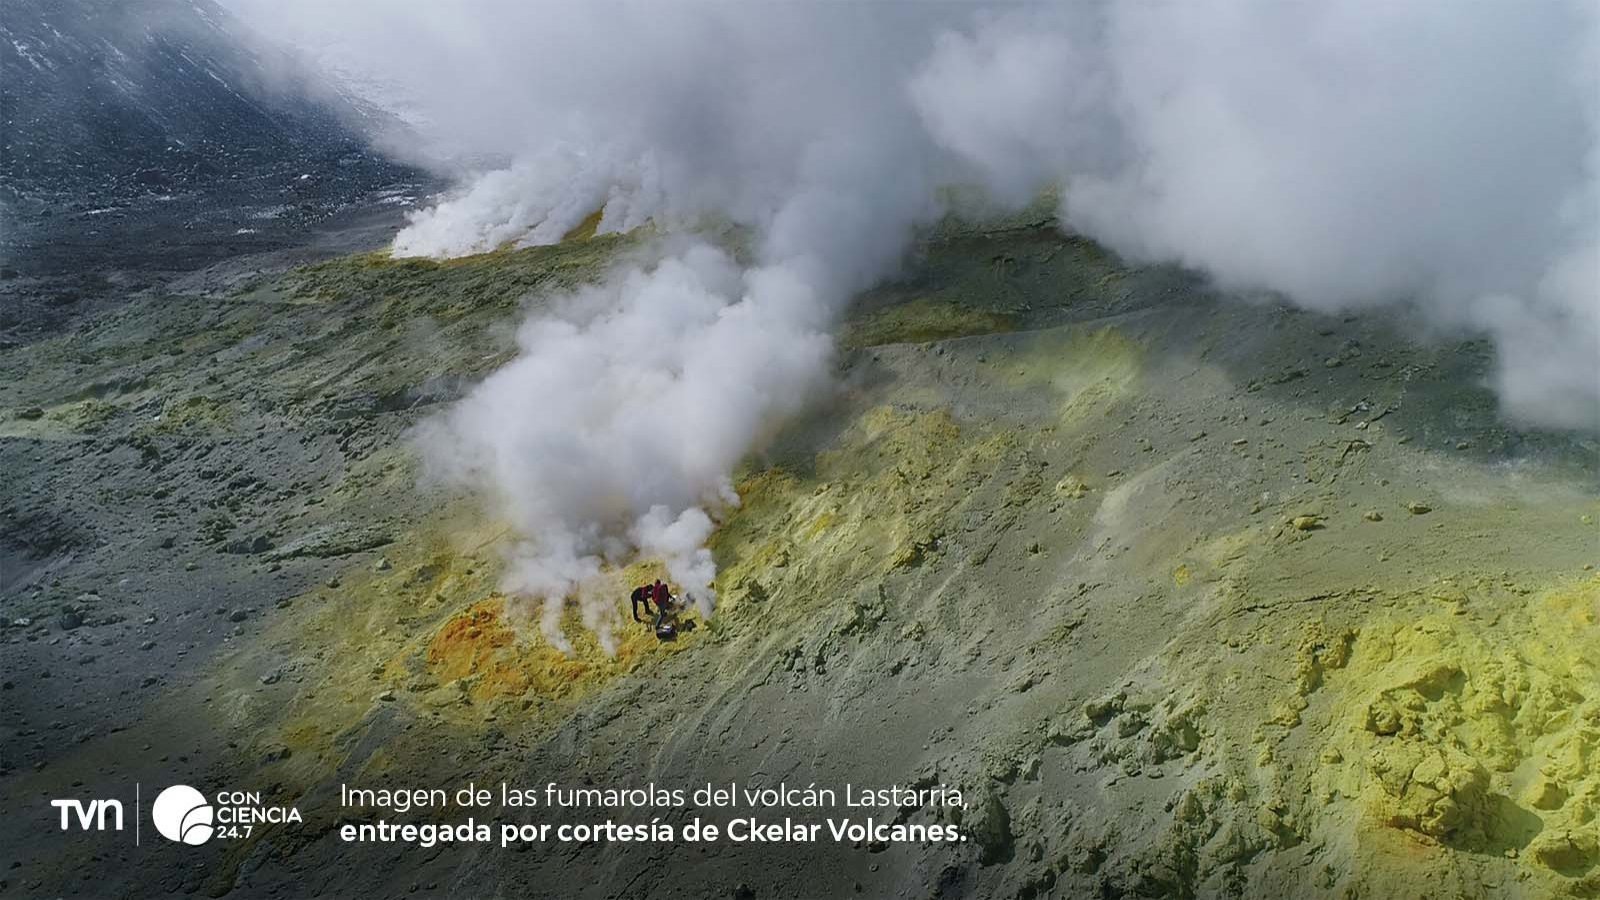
column 339, row 539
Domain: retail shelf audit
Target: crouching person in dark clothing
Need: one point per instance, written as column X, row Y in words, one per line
column 642, row 595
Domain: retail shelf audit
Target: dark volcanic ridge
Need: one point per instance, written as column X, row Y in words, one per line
column 150, row 136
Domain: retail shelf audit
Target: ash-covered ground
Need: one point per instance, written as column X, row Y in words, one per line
column 1191, row 595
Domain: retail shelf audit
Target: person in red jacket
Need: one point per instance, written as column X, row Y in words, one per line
column 662, row 595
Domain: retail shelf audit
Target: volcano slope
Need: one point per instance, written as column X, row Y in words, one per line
column 1190, row 595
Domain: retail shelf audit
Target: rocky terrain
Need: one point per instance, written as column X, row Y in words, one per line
column 149, row 137
column 1192, row 595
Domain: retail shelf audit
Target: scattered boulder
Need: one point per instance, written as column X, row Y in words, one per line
column 990, row 826
column 1567, row 851
column 1383, row 719
column 1438, row 791
column 1100, row 710
column 248, row 546
column 1546, row 794
column 1072, row 487
column 340, row 539
column 452, row 693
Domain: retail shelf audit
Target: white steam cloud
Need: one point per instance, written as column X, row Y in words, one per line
column 532, row 203
column 1344, row 154
column 615, row 428
column 613, row 433
column 1348, row 154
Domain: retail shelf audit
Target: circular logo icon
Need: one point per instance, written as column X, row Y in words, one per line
column 182, row 814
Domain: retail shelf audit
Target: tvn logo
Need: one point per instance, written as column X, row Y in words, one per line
column 89, row 817
column 181, row 814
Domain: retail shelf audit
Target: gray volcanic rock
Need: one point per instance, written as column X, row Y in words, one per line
column 107, row 101
column 157, row 136
column 1041, row 545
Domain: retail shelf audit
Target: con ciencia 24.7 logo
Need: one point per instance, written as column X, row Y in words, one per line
column 181, row 814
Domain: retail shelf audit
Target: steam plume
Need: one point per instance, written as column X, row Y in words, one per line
column 1348, row 155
